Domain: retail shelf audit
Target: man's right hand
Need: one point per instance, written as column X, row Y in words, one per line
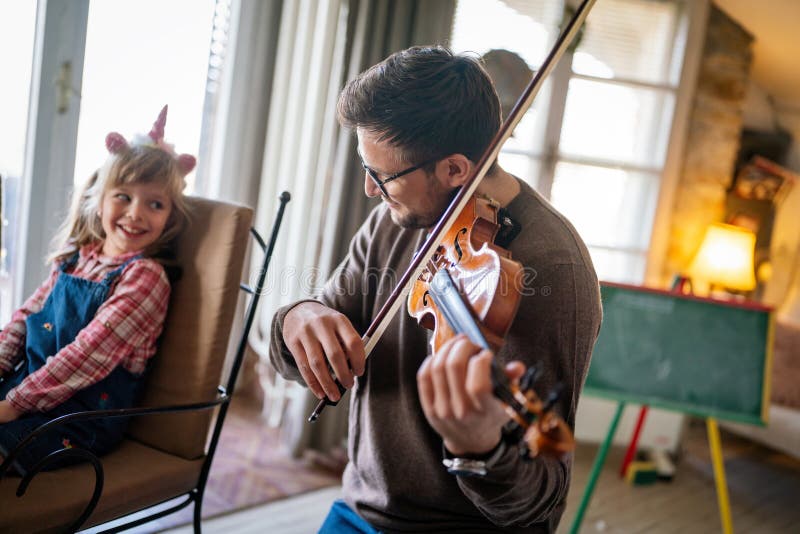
column 321, row 339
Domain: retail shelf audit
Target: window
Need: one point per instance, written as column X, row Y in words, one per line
column 598, row 150
column 140, row 55
column 17, row 27
column 527, row 28
column 119, row 62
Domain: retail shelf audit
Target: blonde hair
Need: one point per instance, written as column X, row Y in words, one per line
column 136, row 165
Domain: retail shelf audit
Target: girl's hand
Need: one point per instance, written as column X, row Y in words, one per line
column 7, row 412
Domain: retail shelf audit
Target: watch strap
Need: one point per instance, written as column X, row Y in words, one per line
column 473, row 466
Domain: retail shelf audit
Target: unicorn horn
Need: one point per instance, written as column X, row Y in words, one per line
column 157, row 132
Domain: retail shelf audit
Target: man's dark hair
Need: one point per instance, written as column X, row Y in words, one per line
column 426, row 101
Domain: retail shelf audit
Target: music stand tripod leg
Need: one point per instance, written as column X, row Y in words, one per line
column 596, row 468
column 715, row 444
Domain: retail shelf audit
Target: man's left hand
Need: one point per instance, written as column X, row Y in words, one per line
column 455, row 389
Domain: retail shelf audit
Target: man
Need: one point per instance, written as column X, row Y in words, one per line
column 423, row 117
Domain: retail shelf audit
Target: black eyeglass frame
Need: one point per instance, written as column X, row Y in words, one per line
column 373, row 174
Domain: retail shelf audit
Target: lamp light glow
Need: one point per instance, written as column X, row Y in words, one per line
column 725, row 258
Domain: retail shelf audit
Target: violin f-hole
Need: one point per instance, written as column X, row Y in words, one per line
column 457, row 245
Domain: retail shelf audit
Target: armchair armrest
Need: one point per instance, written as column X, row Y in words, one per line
column 222, row 398
column 81, row 454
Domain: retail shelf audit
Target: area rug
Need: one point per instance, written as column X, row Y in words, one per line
column 252, row 468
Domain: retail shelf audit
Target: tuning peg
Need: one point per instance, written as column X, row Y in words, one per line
column 553, row 397
column 525, row 452
column 528, row 379
column 512, row 432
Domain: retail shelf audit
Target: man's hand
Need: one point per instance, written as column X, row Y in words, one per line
column 455, row 389
column 7, row 412
column 317, row 337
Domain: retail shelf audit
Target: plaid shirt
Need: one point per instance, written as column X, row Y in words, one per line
column 123, row 332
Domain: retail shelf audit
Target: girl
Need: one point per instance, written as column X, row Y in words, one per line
column 83, row 339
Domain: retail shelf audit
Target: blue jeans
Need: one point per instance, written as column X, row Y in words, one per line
column 343, row 520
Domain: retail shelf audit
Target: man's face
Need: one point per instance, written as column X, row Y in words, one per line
column 416, row 199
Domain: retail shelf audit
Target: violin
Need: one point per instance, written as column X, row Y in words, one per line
column 481, row 272
column 443, row 298
column 472, row 286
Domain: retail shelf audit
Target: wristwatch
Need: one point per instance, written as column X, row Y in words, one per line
column 476, row 466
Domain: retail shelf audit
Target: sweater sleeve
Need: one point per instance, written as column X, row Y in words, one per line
column 12, row 337
column 555, row 329
column 126, row 324
column 342, row 292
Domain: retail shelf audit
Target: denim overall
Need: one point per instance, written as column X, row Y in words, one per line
column 71, row 305
column 341, row 519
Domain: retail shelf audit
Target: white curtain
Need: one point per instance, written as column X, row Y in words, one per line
column 232, row 167
column 322, row 43
column 242, row 103
column 301, row 134
column 298, row 157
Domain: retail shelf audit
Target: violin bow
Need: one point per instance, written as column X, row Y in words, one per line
column 426, row 252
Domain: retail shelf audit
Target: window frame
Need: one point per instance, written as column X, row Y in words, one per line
column 47, row 181
column 684, row 61
column 60, row 39
column 562, row 75
column 693, row 29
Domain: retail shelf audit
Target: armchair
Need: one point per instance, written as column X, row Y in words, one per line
column 171, row 441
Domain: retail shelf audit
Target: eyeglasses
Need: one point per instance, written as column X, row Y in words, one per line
column 380, row 183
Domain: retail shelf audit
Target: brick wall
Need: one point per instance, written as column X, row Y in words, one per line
column 713, row 140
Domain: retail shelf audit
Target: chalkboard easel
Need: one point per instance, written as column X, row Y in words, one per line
column 698, row 356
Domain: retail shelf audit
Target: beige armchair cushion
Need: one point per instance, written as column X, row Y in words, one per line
column 189, row 362
column 137, row 477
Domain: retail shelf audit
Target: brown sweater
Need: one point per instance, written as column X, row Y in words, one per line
column 395, row 478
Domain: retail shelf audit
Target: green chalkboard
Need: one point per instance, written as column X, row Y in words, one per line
column 682, row 353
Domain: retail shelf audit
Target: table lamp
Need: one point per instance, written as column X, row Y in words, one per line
column 725, row 259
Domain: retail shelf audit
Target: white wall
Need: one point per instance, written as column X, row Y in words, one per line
column 662, row 429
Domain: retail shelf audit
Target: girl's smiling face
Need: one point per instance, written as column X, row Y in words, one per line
column 133, row 216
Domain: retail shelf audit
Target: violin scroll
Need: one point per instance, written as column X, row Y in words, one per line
column 534, row 425
column 550, row 436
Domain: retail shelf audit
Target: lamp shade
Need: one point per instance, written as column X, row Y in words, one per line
column 725, row 258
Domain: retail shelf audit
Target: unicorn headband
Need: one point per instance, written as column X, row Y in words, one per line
column 116, row 143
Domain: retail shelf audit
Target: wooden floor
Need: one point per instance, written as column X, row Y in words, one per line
column 764, row 489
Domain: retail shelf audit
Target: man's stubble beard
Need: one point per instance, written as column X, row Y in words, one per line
column 416, row 221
